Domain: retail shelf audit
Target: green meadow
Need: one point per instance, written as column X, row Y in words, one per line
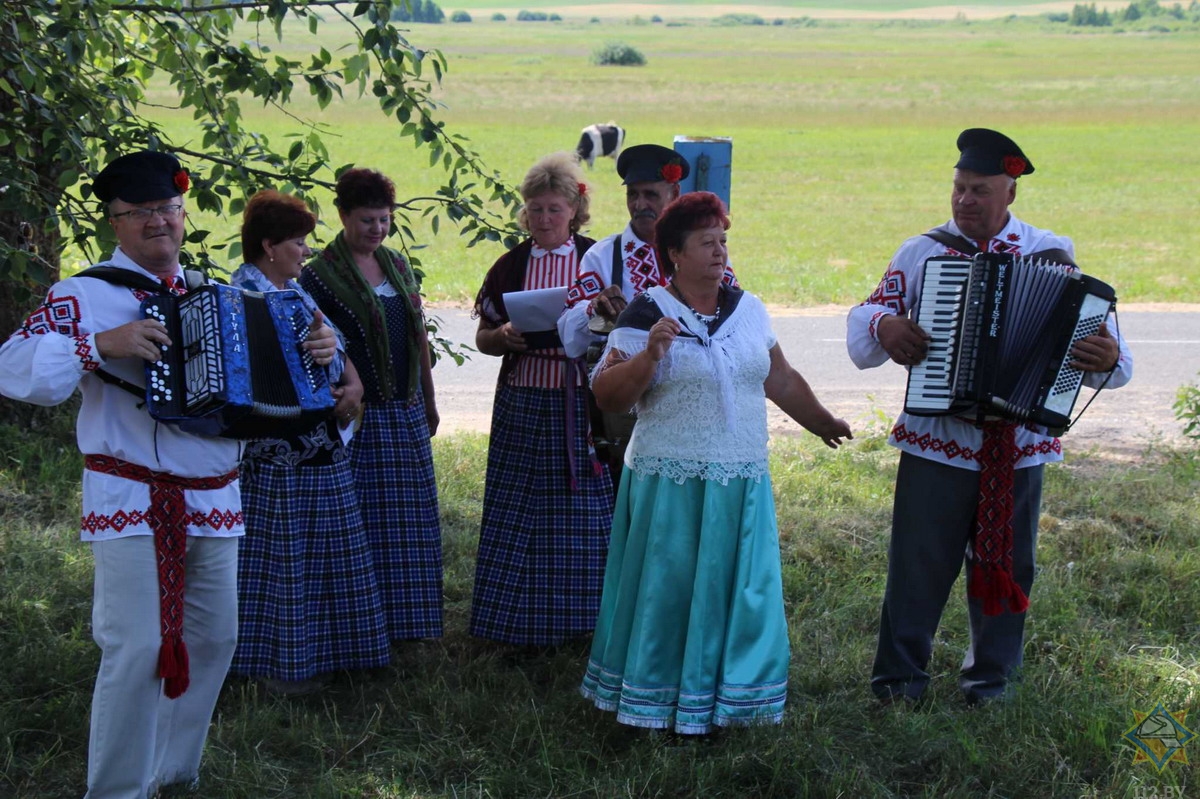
column 1112, row 632
column 843, row 134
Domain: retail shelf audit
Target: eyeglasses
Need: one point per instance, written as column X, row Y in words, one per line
column 143, row 214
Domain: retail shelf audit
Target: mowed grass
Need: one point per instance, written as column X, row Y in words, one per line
column 843, row 136
column 1112, row 631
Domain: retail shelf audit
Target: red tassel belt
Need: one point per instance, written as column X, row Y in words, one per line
column 168, row 521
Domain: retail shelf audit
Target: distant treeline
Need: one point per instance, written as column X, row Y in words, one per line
column 1137, row 10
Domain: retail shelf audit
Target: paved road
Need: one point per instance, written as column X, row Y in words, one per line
column 1164, row 343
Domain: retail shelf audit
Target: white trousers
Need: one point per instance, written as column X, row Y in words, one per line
column 141, row 740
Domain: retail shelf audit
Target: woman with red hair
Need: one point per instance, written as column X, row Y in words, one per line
column 692, row 633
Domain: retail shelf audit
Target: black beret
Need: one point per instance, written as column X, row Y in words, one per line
column 989, row 152
column 140, row 178
column 648, row 163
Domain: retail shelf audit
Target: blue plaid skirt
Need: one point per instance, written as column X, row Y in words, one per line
column 308, row 602
column 542, row 546
column 393, row 473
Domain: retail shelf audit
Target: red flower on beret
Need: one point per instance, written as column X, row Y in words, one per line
column 582, row 189
column 181, row 181
column 1013, row 165
column 672, row 173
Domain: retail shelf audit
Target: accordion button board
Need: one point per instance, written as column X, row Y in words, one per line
column 236, row 366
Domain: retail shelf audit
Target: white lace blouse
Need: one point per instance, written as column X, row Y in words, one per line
column 704, row 414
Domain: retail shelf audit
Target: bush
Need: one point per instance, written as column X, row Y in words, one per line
column 418, row 11
column 656, row 18
column 460, row 16
column 739, row 19
column 1187, row 410
column 618, row 54
column 532, row 16
column 498, row 17
column 555, row 17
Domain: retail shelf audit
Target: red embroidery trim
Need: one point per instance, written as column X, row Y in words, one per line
column 952, row 449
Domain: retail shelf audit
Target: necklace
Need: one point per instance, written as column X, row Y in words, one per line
column 706, row 319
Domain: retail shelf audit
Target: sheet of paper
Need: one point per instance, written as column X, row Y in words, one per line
column 537, row 310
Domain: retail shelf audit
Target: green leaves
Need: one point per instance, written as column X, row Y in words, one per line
column 74, row 83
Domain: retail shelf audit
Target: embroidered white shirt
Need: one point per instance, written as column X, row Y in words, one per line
column 948, row 439
column 54, row 352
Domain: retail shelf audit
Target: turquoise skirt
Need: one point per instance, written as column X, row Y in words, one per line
column 691, row 631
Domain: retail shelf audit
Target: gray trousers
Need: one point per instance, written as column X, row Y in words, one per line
column 933, row 517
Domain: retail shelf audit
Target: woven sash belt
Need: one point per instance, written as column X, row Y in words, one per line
column 168, row 521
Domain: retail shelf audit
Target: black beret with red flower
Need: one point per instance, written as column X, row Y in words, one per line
column 651, row 163
column 141, row 177
column 989, row 152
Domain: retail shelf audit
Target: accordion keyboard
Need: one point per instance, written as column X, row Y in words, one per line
column 931, row 382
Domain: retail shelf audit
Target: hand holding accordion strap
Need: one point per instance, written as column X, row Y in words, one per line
column 991, row 578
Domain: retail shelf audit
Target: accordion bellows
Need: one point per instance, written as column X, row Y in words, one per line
column 235, row 367
column 1001, row 330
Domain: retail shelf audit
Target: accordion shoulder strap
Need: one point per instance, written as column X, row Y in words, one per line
column 124, row 277
column 618, row 264
column 943, row 236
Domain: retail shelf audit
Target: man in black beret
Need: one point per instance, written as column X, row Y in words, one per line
column 161, row 508
column 962, row 485
column 651, row 175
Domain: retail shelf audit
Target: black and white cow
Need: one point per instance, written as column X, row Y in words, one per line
column 600, row 140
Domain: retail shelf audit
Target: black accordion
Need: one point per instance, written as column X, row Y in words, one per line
column 1001, row 329
column 235, row 367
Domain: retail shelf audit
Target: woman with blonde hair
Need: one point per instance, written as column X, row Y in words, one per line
column 547, row 504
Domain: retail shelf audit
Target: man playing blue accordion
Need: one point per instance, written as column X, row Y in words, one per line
column 161, row 507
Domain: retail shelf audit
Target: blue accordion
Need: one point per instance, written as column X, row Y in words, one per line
column 235, row 367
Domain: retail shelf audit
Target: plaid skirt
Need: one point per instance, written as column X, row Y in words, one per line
column 393, row 474
column 308, row 602
column 542, row 546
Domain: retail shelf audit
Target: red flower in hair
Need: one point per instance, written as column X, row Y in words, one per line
column 582, row 189
column 1013, row 165
column 181, row 181
column 672, row 173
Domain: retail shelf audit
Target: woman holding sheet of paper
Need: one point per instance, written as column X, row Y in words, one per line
column 547, row 505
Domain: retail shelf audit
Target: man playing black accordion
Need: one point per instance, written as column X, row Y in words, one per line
column 967, row 482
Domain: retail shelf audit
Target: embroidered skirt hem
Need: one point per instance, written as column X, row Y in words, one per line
column 691, row 632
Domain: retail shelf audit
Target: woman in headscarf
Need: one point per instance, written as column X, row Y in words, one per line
column 308, row 603
column 371, row 293
column 692, row 633
column 547, row 504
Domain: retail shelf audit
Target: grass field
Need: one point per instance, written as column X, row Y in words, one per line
column 843, row 135
column 1112, row 631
